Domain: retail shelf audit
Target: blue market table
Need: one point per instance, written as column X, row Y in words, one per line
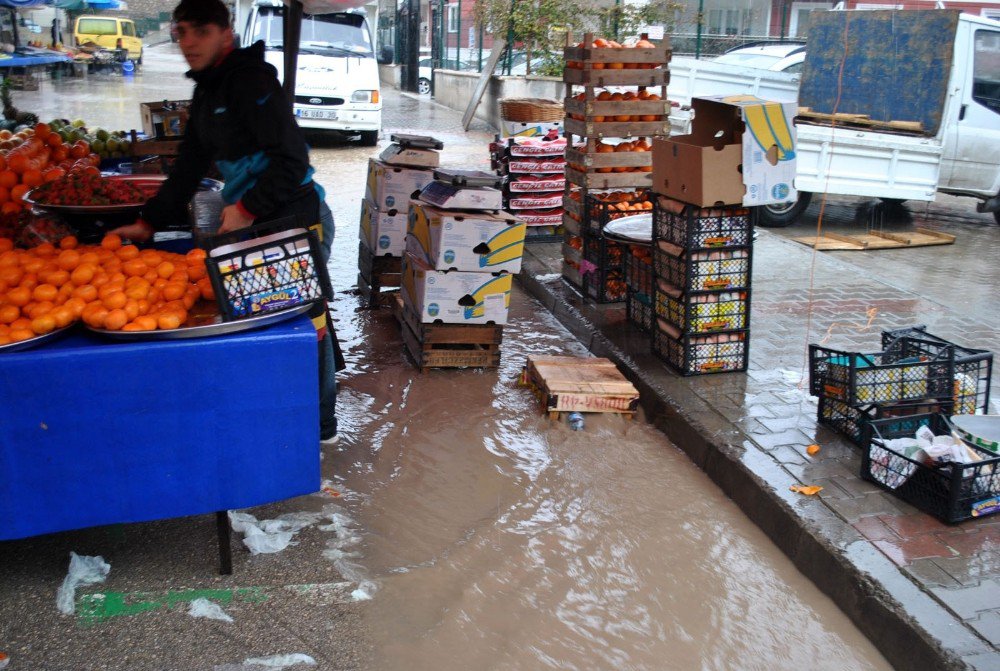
column 97, row 432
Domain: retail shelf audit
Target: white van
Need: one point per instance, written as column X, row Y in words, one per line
column 337, row 83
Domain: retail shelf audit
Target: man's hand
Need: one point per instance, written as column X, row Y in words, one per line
column 233, row 219
column 139, row 231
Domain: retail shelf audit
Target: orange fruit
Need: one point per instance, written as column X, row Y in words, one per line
column 63, row 316
column 44, row 324
column 168, row 320
column 88, row 256
column 132, row 309
column 83, row 273
column 205, row 287
column 196, row 255
column 86, row 293
column 128, row 252
column 75, row 305
column 134, row 267
column 10, row 207
column 180, row 275
column 145, row 323
column 17, row 193
column 115, row 299
column 69, row 242
column 57, row 277
column 174, row 291
column 9, row 179
column 52, row 174
column 18, row 163
column 9, row 314
column 112, row 241
column 165, row 269
column 115, row 319
column 68, row 259
column 17, row 335
column 6, row 244
column 44, row 292
column 94, row 315
column 138, row 290
column 32, row 178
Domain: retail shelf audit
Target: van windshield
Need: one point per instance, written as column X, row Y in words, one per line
column 96, row 27
column 326, row 34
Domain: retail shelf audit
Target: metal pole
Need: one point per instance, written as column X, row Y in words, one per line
column 701, row 18
column 480, row 48
column 784, row 18
column 291, row 29
column 458, row 38
column 443, row 31
column 617, row 10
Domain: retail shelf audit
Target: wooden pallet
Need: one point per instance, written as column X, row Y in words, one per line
column 572, row 384
column 376, row 273
column 859, row 121
column 448, row 345
column 874, row 240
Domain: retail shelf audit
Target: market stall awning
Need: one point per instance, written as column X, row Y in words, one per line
column 19, row 4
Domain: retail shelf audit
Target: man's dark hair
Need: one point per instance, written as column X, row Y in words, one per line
column 202, row 12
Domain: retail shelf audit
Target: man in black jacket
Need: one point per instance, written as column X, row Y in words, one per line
column 240, row 119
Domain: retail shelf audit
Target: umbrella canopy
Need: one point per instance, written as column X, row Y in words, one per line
column 21, row 3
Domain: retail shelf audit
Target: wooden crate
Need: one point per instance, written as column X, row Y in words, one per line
column 448, row 345
column 589, row 108
column 594, row 161
column 622, row 129
column 605, row 78
column 572, row 384
column 376, row 273
column 609, row 180
column 589, row 54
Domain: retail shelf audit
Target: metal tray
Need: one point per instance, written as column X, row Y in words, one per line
column 36, row 341
column 149, row 184
column 636, row 229
column 215, row 328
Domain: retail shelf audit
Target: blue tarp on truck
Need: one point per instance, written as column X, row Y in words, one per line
column 891, row 65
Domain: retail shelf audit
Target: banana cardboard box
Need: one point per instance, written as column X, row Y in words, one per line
column 390, row 187
column 468, row 241
column 741, row 151
column 454, row 296
column 383, row 231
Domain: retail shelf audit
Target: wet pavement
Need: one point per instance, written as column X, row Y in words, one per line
column 491, row 538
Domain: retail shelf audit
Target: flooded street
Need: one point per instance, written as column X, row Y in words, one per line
column 481, row 535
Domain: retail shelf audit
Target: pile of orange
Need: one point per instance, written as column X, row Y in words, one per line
column 628, row 96
column 601, row 43
column 641, row 145
column 111, row 286
column 36, row 155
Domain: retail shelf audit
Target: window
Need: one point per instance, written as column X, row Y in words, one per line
column 986, row 70
column 728, row 21
column 97, row 27
column 452, row 18
column 128, row 29
column 991, row 14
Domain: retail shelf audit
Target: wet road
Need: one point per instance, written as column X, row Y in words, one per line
column 486, row 535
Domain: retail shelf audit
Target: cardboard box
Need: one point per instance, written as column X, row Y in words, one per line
column 451, row 197
column 391, row 187
column 166, row 118
column 528, row 128
column 383, row 231
column 467, row 241
column 453, row 296
column 741, row 151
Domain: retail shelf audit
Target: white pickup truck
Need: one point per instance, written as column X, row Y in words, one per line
column 950, row 82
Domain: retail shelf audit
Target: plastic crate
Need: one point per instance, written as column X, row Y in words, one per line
column 702, row 270
column 852, row 420
column 600, row 213
column 858, row 379
column 639, row 310
column 703, row 312
column 266, row 268
column 638, row 262
column 700, row 354
column 692, row 228
column 952, row 492
column 973, row 367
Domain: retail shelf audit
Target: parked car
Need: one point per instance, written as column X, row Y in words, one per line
column 109, row 32
column 773, row 56
column 424, row 74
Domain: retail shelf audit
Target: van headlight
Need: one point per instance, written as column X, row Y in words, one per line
column 364, row 97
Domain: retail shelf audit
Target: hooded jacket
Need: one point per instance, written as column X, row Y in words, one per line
column 240, row 118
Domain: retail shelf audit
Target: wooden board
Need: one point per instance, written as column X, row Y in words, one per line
column 447, row 334
column 606, row 108
column 572, row 384
column 874, row 240
column 622, row 129
column 858, row 121
column 471, row 356
column 609, row 180
column 448, row 345
column 627, row 159
column 657, row 77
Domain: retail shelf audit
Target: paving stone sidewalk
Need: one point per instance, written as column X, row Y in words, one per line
column 928, row 594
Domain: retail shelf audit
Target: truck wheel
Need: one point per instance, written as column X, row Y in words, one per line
column 779, row 216
column 369, row 138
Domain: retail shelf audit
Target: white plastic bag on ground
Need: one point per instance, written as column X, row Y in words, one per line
column 269, row 536
column 208, row 609
column 82, row 571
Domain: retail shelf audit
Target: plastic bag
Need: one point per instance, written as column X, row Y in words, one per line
column 280, row 661
column 208, row 609
column 39, row 229
column 82, row 571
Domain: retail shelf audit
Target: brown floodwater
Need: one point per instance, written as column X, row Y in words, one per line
column 484, row 535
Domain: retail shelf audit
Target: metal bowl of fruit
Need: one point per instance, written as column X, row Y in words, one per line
column 90, row 194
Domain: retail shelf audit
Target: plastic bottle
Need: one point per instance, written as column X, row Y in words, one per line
column 575, row 420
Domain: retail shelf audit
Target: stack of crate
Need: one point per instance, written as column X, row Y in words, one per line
column 533, row 170
column 916, row 372
column 615, row 102
column 701, row 286
column 461, row 252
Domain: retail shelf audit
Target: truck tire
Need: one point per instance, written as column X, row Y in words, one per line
column 779, row 216
column 369, row 138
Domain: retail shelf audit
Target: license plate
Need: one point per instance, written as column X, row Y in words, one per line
column 316, row 114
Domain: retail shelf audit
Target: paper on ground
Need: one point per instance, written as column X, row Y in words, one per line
column 82, row 571
column 209, row 609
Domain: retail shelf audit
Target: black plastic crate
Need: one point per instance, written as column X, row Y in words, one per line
column 702, row 270
column 691, row 227
column 851, row 420
column 858, row 379
column 701, row 353
column 604, row 285
column 951, row 492
column 602, row 269
column 973, row 367
column 638, row 262
column 703, row 312
column 600, row 212
column 276, row 266
column 639, row 310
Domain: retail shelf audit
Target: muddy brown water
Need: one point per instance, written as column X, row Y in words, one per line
column 489, row 537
